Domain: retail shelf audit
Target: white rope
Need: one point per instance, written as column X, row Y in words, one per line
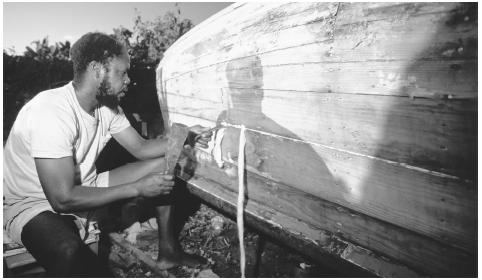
column 240, row 220
column 217, row 151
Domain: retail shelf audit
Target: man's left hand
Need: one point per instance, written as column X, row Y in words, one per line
column 202, row 136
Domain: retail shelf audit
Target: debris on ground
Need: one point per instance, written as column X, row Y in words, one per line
column 214, row 236
column 207, row 273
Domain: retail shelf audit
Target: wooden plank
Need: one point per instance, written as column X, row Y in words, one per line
column 19, row 260
column 239, row 17
column 197, row 41
column 414, row 30
column 428, row 79
column 141, row 256
column 381, row 237
column 406, row 31
column 332, row 251
column 353, row 13
column 434, row 134
column 13, row 252
column 435, row 205
column 422, row 253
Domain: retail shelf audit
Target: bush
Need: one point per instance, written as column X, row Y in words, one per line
column 24, row 77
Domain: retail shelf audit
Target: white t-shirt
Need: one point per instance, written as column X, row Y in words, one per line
column 51, row 125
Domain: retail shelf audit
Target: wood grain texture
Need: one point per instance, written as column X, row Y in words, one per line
column 145, row 258
column 316, row 220
column 454, row 79
column 369, row 106
column 434, row 134
column 441, row 209
column 421, row 31
column 346, row 257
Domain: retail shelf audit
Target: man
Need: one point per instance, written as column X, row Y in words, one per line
column 49, row 163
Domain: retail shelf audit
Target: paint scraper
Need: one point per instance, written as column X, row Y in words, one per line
column 176, row 139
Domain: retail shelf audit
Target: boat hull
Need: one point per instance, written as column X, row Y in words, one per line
column 361, row 127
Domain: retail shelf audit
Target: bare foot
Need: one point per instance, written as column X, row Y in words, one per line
column 167, row 261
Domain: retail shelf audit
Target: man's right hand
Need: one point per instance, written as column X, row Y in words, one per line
column 155, row 184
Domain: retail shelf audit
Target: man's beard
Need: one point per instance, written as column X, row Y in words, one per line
column 106, row 96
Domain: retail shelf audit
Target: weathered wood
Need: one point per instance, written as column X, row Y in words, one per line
column 344, row 256
column 427, row 255
column 424, row 253
column 141, row 256
column 19, row 259
column 367, row 106
column 430, row 79
column 390, row 191
column 381, row 189
column 406, row 31
column 379, row 126
column 422, row 35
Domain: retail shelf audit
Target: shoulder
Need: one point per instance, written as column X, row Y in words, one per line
column 52, row 100
column 116, row 121
column 111, row 114
column 51, row 108
column 55, row 96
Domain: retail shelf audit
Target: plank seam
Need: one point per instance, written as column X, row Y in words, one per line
column 244, row 57
column 453, row 60
column 387, row 161
column 214, row 17
column 435, row 97
column 273, row 224
column 316, row 42
column 419, row 169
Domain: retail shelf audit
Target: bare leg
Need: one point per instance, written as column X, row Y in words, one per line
column 170, row 252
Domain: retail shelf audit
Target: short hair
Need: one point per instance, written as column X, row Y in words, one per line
column 93, row 46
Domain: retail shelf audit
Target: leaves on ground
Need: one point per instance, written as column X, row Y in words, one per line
column 214, row 236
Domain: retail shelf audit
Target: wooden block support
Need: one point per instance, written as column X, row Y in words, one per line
column 16, row 257
column 141, row 256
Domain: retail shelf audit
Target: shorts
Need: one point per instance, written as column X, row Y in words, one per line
column 17, row 215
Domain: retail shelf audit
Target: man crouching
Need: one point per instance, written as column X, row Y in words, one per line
column 49, row 164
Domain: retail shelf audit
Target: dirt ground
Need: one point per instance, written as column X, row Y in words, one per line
column 214, row 236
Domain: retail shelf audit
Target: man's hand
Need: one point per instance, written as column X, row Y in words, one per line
column 202, row 135
column 155, row 184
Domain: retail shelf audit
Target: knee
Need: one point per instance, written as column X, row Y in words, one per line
column 68, row 250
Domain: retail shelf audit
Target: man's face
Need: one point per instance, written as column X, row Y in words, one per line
column 114, row 84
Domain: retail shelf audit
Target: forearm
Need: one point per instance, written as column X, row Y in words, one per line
column 151, row 148
column 82, row 198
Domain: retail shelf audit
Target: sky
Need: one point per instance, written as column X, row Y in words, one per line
column 60, row 21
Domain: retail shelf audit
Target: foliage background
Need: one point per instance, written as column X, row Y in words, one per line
column 47, row 66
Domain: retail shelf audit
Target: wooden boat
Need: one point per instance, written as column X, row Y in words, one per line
column 361, row 127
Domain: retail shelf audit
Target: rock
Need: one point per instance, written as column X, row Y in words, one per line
column 121, row 259
column 149, row 224
column 132, row 232
column 217, row 223
column 207, row 273
column 305, row 266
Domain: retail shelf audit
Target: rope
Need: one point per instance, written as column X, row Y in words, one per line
column 217, row 152
column 240, row 220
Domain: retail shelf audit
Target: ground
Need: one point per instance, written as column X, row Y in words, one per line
column 214, row 236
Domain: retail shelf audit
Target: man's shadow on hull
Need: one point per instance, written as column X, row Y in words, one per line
column 286, row 159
